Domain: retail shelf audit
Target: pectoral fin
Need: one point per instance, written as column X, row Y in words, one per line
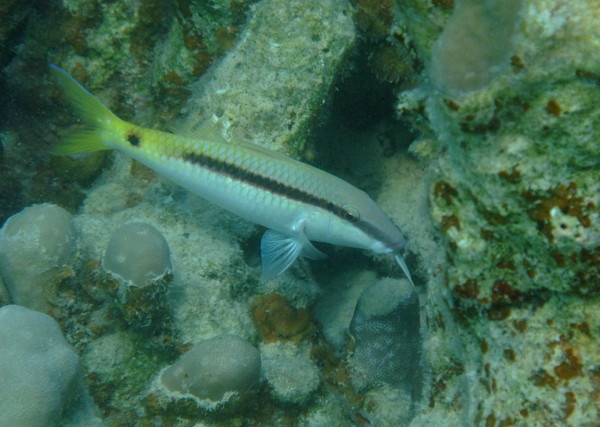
column 279, row 251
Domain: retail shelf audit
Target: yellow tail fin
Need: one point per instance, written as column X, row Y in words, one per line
column 93, row 112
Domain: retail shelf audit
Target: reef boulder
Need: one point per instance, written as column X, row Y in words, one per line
column 34, row 245
column 213, row 370
column 41, row 382
column 386, row 332
column 137, row 254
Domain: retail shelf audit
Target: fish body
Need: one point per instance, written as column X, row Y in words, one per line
column 298, row 203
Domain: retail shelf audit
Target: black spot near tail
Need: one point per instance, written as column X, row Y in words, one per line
column 134, row 140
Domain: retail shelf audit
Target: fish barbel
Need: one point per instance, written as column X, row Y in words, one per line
column 296, row 202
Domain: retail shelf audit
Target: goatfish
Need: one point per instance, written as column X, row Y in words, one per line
column 296, row 202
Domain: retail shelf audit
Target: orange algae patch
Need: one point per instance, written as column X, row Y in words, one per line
column 553, row 108
column 569, row 405
column 445, row 191
column 469, row 289
column 564, row 197
column 449, row 221
column 570, row 368
column 277, row 320
column 541, row 378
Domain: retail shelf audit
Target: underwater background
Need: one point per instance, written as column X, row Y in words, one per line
column 474, row 124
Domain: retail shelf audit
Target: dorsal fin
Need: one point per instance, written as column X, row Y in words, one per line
column 262, row 150
column 209, row 133
column 205, row 132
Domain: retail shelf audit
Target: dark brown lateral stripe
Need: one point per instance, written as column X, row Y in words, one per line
column 263, row 182
column 268, row 184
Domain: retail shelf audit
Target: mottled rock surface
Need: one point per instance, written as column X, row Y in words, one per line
column 514, row 190
column 269, row 86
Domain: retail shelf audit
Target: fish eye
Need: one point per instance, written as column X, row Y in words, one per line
column 350, row 215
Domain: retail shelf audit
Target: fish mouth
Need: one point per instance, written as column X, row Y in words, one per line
column 396, row 246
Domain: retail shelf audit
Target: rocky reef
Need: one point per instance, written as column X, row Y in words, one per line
column 514, row 190
column 473, row 124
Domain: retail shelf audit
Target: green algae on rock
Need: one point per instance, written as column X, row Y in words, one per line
column 514, row 190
